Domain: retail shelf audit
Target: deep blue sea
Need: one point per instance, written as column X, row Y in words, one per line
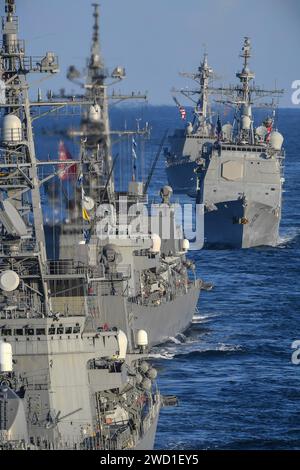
column 232, row 371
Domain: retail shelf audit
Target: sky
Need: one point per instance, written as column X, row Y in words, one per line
column 157, row 39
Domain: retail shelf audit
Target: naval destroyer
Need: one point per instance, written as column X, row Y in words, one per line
column 236, row 170
column 147, row 282
column 65, row 382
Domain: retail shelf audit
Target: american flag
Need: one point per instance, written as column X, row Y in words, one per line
column 182, row 112
column 65, row 172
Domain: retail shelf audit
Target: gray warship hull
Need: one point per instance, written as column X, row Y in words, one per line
column 223, row 231
column 167, row 320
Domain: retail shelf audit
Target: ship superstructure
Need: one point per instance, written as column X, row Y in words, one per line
column 145, row 273
column 65, row 383
column 240, row 173
column 185, row 145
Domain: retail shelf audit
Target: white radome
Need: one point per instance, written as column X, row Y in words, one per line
column 11, row 129
column 6, row 364
column 142, row 338
column 9, row 281
column 156, row 243
column 123, row 342
column 276, row 140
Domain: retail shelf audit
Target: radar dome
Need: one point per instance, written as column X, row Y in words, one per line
column 156, row 243
column 142, row 338
column 123, row 342
column 6, row 364
column 189, row 128
column 9, row 281
column 276, row 140
column 11, row 129
column 94, row 113
column 185, row 245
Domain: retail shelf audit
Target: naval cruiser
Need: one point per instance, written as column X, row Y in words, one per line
column 65, row 382
column 147, row 282
column 238, row 173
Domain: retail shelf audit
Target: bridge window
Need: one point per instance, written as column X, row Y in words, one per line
column 51, row 331
column 40, row 331
column 19, row 332
column 5, row 332
column 29, row 331
column 68, row 330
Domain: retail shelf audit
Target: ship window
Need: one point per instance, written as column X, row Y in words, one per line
column 76, row 329
column 29, row 331
column 68, row 330
column 19, row 332
column 6, row 332
column 40, row 331
column 60, row 330
column 51, row 331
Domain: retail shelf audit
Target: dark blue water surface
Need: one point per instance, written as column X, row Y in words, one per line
column 232, row 372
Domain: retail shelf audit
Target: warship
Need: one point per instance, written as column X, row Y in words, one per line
column 147, row 282
column 65, row 382
column 237, row 173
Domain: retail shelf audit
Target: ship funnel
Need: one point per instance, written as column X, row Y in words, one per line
column 6, row 364
column 276, row 140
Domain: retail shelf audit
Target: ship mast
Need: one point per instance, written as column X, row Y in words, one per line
column 243, row 96
column 23, row 257
column 96, row 151
column 200, row 96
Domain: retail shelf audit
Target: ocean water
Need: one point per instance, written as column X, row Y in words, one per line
column 232, row 371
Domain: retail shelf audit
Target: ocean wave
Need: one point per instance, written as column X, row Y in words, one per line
column 162, row 355
column 289, row 239
column 219, row 350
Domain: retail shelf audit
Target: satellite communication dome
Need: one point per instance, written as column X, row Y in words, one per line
column 185, row 245
column 95, row 113
column 227, row 131
column 9, row 281
column 246, row 123
column 123, row 342
column 142, row 338
column 276, row 140
column 189, row 128
column 156, row 243
column 6, row 364
column 11, row 129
